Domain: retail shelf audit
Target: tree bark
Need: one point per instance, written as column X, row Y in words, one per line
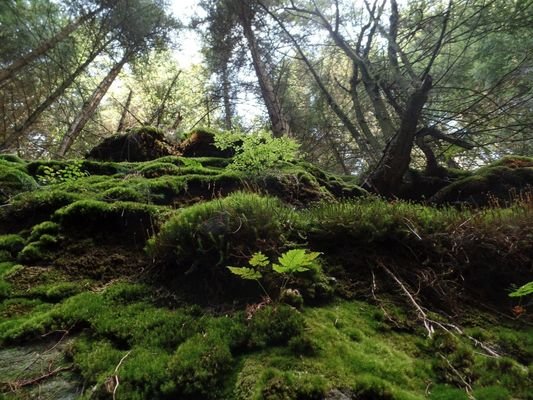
column 280, row 123
column 90, row 106
column 226, row 98
column 26, row 59
column 158, row 113
column 21, row 130
column 387, row 177
column 125, row 109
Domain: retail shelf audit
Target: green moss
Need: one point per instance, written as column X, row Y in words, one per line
column 14, row 180
column 492, row 393
column 12, row 244
column 124, row 219
column 206, row 233
column 444, row 392
column 44, row 228
column 29, row 209
column 13, row 158
column 274, row 325
column 31, row 253
column 199, row 367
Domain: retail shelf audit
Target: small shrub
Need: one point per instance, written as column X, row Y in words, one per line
column 69, row 173
column 257, row 153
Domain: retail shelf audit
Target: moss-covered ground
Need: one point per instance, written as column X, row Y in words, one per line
column 113, row 284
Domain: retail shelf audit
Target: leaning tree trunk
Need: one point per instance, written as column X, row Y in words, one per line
column 387, row 177
column 89, row 107
column 26, row 59
column 125, row 110
column 280, row 124
column 22, row 129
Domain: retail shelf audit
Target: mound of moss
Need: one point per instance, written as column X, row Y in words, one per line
column 500, row 183
column 14, row 178
column 139, row 144
column 201, row 143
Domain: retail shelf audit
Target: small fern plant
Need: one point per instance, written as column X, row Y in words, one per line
column 70, row 173
column 522, row 291
column 289, row 263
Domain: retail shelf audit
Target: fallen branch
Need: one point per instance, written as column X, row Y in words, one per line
column 16, row 385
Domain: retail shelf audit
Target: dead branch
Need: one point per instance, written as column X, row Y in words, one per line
column 16, row 385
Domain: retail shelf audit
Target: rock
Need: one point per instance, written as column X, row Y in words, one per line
column 201, row 143
column 139, row 144
column 500, row 183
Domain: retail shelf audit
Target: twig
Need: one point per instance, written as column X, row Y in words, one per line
column 421, row 313
column 14, row 386
column 115, row 377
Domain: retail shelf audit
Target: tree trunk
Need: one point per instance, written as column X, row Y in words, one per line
column 387, row 177
column 21, row 130
column 158, row 113
column 26, row 59
column 90, row 106
column 226, row 98
column 280, row 124
column 125, row 109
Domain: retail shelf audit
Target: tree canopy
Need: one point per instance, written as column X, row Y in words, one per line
column 369, row 87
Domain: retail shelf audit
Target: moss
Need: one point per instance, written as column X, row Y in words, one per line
column 13, row 158
column 503, row 182
column 444, row 392
column 119, row 219
column 11, row 244
column 492, row 393
column 206, row 233
column 43, row 228
column 31, row 253
column 274, row 325
column 29, row 209
column 199, row 367
column 138, row 144
column 14, row 180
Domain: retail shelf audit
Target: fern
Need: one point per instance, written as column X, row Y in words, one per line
column 522, row 291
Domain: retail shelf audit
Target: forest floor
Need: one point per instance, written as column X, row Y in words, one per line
column 114, row 284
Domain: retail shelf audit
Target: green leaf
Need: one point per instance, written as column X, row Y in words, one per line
column 246, row 273
column 523, row 290
column 258, row 260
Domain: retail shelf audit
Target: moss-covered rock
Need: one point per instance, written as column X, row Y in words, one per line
column 500, row 183
column 201, row 143
column 14, row 179
column 139, row 144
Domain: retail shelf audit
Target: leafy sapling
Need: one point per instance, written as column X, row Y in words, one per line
column 289, row 263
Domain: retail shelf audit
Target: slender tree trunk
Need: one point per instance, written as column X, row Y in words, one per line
column 21, row 130
column 226, row 98
column 125, row 110
column 26, row 59
column 158, row 113
column 90, row 106
column 280, row 124
column 387, row 177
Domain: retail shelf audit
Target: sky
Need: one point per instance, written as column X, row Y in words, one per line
column 189, row 52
